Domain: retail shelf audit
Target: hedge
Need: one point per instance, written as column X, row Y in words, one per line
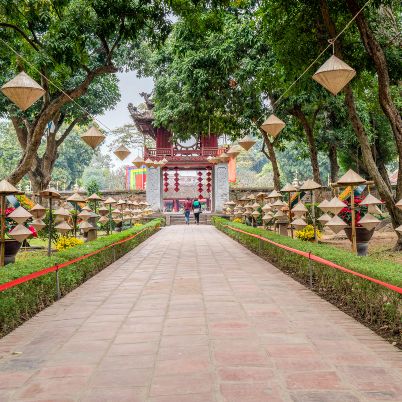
column 376, row 306
column 23, row 301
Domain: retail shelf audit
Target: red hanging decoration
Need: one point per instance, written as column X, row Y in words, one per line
column 165, row 179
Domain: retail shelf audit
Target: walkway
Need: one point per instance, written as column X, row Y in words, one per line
column 191, row 316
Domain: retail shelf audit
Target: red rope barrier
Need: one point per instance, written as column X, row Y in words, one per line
column 37, row 274
column 320, row 260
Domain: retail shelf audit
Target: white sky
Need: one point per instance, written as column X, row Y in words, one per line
column 130, row 87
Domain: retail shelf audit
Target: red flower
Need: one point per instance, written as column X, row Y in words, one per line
column 33, row 231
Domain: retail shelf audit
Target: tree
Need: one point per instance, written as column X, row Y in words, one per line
column 72, row 42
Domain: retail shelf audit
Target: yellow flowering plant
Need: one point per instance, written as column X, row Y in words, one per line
column 307, row 233
column 65, row 242
column 237, row 220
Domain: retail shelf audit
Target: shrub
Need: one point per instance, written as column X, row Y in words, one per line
column 307, row 233
column 65, row 242
column 373, row 304
column 21, row 302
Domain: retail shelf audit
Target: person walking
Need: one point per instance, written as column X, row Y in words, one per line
column 197, row 211
column 188, row 205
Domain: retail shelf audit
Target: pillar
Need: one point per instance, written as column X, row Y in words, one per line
column 221, row 186
column 154, row 188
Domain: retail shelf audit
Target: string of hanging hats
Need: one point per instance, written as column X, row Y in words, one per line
column 333, row 75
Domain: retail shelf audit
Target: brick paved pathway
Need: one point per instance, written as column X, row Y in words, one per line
column 191, row 316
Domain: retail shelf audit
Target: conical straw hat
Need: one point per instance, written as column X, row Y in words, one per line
column 335, row 206
column 266, row 207
column 20, row 233
column 103, row 211
column 246, row 142
column 369, row 221
column 110, row 200
column 373, row 209
column 75, row 198
column 94, row 197
column 23, row 90
column 38, row 211
column 255, row 213
column 103, row 219
column 117, row 220
column 63, row 227
column 299, row 207
column 20, row 215
column 334, row 74
column 350, row 178
column 62, row 212
column 148, row 163
column 323, row 205
column 370, row 200
column 38, row 224
column 309, row 185
column 399, row 204
column 50, row 193
column 399, row 229
column 93, row 137
column 299, row 223
column 85, row 215
column 138, row 162
column 336, row 224
column 266, row 217
column 122, row 152
column 273, row 125
column 224, row 157
column 274, row 194
column 7, row 188
column 324, row 218
column 85, row 226
column 234, row 150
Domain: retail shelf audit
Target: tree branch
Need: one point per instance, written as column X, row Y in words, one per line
column 68, row 130
column 21, row 32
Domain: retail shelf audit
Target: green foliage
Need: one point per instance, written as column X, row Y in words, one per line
column 25, row 300
column 373, row 304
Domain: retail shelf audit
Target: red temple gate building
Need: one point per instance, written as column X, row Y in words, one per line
column 187, row 173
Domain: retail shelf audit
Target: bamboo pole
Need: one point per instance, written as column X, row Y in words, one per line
column 290, row 215
column 3, row 229
column 352, row 207
column 313, row 215
column 50, row 228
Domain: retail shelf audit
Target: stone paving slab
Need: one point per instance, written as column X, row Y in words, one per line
column 192, row 316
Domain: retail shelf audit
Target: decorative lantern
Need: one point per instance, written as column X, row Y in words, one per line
column 335, row 206
column 334, row 75
column 138, row 162
column 20, row 233
column 246, row 142
column 37, row 211
column 299, row 224
column 20, row 215
column 273, row 125
column 93, row 137
column 299, row 209
column 370, row 200
column 38, row 224
column 122, row 152
column 351, row 178
column 224, row 157
column 23, row 90
column 336, row 224
column 369, row 221
column 323, row 205
column 234, row 150
column 324, row 219
column 63, row 227
column 84, row 215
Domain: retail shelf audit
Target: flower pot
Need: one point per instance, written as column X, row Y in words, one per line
column 363, row 237
column 11, row 250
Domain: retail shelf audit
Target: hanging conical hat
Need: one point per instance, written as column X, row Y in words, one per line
column 266, row 207
column 278, row 203
column 224, row 157
column 234, row 150
column 86, row 208
column 75, row 198
column 93, row 137
column 116, row 212
column 299, row 223
column 289, row 188
column 148, row 163
column 164, row 161
column 63, row 227
column 94, row 197
column 121, row 202
column 85, row 226
column 20, row 233
column 50, row 193
column 266, row 217
column 334, row 74
column 273, row 125
column 103, row 211
column 370, row 200
column 213, row 159
column 399, row 204
column 373, row 209
column 260, row 195
column 23, row 90
column 117, row 220
column 336, row 224
column 279, row 214
column 299, row 207
column 20, row 215
column 62, row 212
column 138, row 162
column 274, row 194
column 110, row 200
column 309, row 185
column 103, row 219
column 85, row 215
column 7, row 188
column 369, row 221
column 122, row 152
column 38, row 211
column 335, row 206
column 323, row 205
column 246, row 142
column 256, row 205
column 255, row 213
column 38, row 224
column 324, row 218
column 350, row 178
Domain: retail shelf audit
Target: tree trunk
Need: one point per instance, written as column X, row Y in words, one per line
column 333, row 162
column 382, row 187
column 297, row 112
column 272, row 157
column 376, row 53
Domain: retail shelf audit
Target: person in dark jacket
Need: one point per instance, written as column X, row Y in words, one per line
column 197, row 211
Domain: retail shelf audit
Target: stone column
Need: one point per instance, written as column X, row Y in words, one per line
column 221, row 186
column 154, row 188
